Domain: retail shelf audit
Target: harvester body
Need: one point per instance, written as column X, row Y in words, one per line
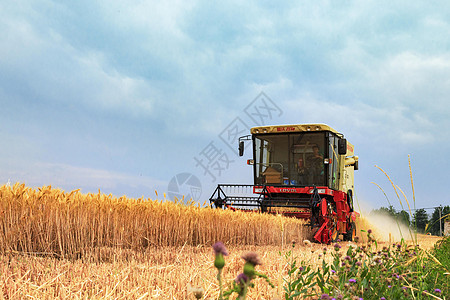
column 303, row 171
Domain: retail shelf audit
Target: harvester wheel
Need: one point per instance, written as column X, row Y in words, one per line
column 351, row 233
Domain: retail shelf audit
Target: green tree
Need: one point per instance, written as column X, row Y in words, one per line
column 434, row 221
column 390, row 211
column 421, row 219
column 403, row 217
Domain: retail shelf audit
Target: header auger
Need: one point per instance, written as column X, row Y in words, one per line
column 303, row 171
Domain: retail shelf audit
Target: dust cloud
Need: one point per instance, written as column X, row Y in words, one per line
column 385, row 227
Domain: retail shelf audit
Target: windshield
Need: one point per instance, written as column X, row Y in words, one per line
column 291, row 159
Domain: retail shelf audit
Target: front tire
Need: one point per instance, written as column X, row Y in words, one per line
column 351, row 233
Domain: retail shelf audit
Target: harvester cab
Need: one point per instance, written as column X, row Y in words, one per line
column 304, row 171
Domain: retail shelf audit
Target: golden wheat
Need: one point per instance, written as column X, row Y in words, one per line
column 134, row 248
column 50, row 221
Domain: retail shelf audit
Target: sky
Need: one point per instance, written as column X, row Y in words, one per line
column 142, row 97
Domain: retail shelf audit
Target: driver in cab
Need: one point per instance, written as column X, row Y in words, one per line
column 315, row 165
column 313, row 168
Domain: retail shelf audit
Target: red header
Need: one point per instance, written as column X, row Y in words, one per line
column 292, row 190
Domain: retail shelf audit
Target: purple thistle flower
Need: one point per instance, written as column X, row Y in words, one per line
column 325, row 297
column 437, row 291
column 352, row 280
column 389, row 286
column 241, row 278
column 337, row 247
column 219, row 248
column 404, row 287
column 369, row 231
column 382, row 298
column 220, row 251
column 252, row 257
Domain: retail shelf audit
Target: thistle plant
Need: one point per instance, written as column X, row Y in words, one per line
column 219, row 262
column 397, row 271
column 300, row 278
column 251, row 261
column 198, row 292
column 243, row 281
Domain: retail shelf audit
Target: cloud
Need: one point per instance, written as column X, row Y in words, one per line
column 42, row 65
column 147, row 85
column 71, row 177
column 415, row 80
column 379, row 126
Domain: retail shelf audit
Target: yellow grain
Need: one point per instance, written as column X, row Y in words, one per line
column 76, row 225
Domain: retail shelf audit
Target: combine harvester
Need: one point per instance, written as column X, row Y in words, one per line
column 303, row 171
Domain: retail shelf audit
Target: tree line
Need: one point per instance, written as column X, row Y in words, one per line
column 421, row 220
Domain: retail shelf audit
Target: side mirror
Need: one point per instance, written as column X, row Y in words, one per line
column 342, row 146
column 241, row 148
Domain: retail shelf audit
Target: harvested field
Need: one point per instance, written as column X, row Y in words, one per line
column 164, row 273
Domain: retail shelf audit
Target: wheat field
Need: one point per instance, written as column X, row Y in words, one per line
column 58, row 245
column 72, row 225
